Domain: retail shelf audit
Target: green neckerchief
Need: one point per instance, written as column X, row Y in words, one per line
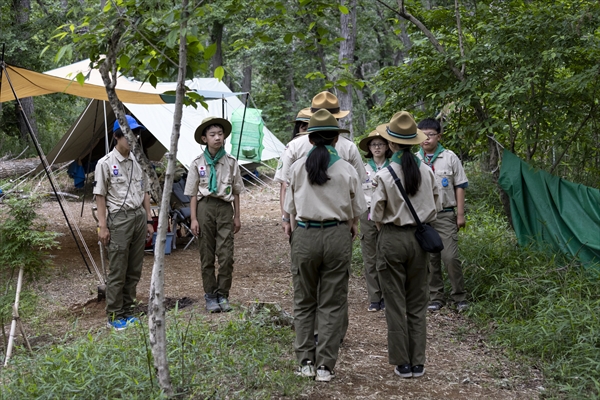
column 397, row 158
column 212, row 180
column 371, row 162
column 333, row 154
column 436, row 153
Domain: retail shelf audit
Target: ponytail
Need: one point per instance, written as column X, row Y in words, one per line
column 318, row 160
column 412, row 175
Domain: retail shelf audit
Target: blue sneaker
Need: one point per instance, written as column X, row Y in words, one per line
column 117, row 324
column 132, row 320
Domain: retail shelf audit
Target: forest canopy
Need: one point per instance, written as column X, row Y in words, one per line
column 519, row 74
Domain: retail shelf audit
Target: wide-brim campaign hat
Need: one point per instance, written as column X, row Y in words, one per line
column 364, row 142
column 131, row 121
column 324, row 123
column 327, row 101
column 206, row 122
column 402, row 129
column 301, row 117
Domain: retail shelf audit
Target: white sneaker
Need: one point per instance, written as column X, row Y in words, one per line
column 324, row 375
column 306, row 371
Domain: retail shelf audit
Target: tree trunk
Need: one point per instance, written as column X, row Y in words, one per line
column 247, row 78
column 216, row 36
column 13, row 326
column 156, row 304
column 108, row 71
column 22, row 10
column 346, row 57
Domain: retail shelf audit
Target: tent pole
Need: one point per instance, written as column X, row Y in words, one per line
column 242, row 128
column 42, row 158
column 105, row 129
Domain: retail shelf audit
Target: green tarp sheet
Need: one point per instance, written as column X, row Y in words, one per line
column 251, row 146
column 551, row 211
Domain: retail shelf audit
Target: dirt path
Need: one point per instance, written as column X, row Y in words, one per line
column 460, row 364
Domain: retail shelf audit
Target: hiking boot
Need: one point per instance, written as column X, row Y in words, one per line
column 403, row 371
column 374, row 307
column 462, row 306
column 435, row 306
column 212, row 304
column 306, row 370
column 117, row 324
column 324, row 374
column 418, row 371
column 382, row 305
column 224, row 303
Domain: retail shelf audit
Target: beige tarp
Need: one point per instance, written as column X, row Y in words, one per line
column 28, row 83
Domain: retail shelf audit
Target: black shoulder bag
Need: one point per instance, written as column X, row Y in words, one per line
column 429, row 239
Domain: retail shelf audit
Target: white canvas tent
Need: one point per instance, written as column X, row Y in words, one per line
column 97, row 120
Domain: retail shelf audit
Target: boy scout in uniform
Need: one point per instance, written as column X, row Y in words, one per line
column 123, row 205
column 452, row 182
column 214, row 182
column 401, row 262
column 378, row 156
column 326, row 197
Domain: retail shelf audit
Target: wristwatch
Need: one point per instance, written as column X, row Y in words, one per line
column 284, row 219
column 150, row 222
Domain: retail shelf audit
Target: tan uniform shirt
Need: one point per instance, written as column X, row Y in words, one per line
column 229, row 178
column 300, row 147
column 449, row 173
column 388, row 205
column 121, row 181
column 341, row 198
column 367, row 184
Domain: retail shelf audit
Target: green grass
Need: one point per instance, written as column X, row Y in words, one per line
column 240, row 358
column 541, row 305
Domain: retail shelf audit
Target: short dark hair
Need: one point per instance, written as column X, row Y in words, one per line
column 430, row 123
column 211, row 126
column 118, row 133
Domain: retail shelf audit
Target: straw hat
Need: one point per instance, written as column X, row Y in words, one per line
column 328, row 101
column 324, row 122
column 301, row 117
column 206, row 122
column 364, row 142
column 402, row 129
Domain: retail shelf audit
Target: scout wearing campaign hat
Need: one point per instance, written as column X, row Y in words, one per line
column 364, row 143
column 301, row 117
column 327, row 101
column 324, row 123
column 401, row 129
column 206, row 122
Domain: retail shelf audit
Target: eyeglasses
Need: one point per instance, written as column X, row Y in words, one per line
column 377, row 145
column 430, row 135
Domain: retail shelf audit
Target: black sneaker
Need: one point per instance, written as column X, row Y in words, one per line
column 462, row 306
column 382, row 305
column 417, row 371
column 373, row 307
column 435, row 306
column 403, row 371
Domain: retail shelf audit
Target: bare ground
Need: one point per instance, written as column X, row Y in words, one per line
column 460, row 362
